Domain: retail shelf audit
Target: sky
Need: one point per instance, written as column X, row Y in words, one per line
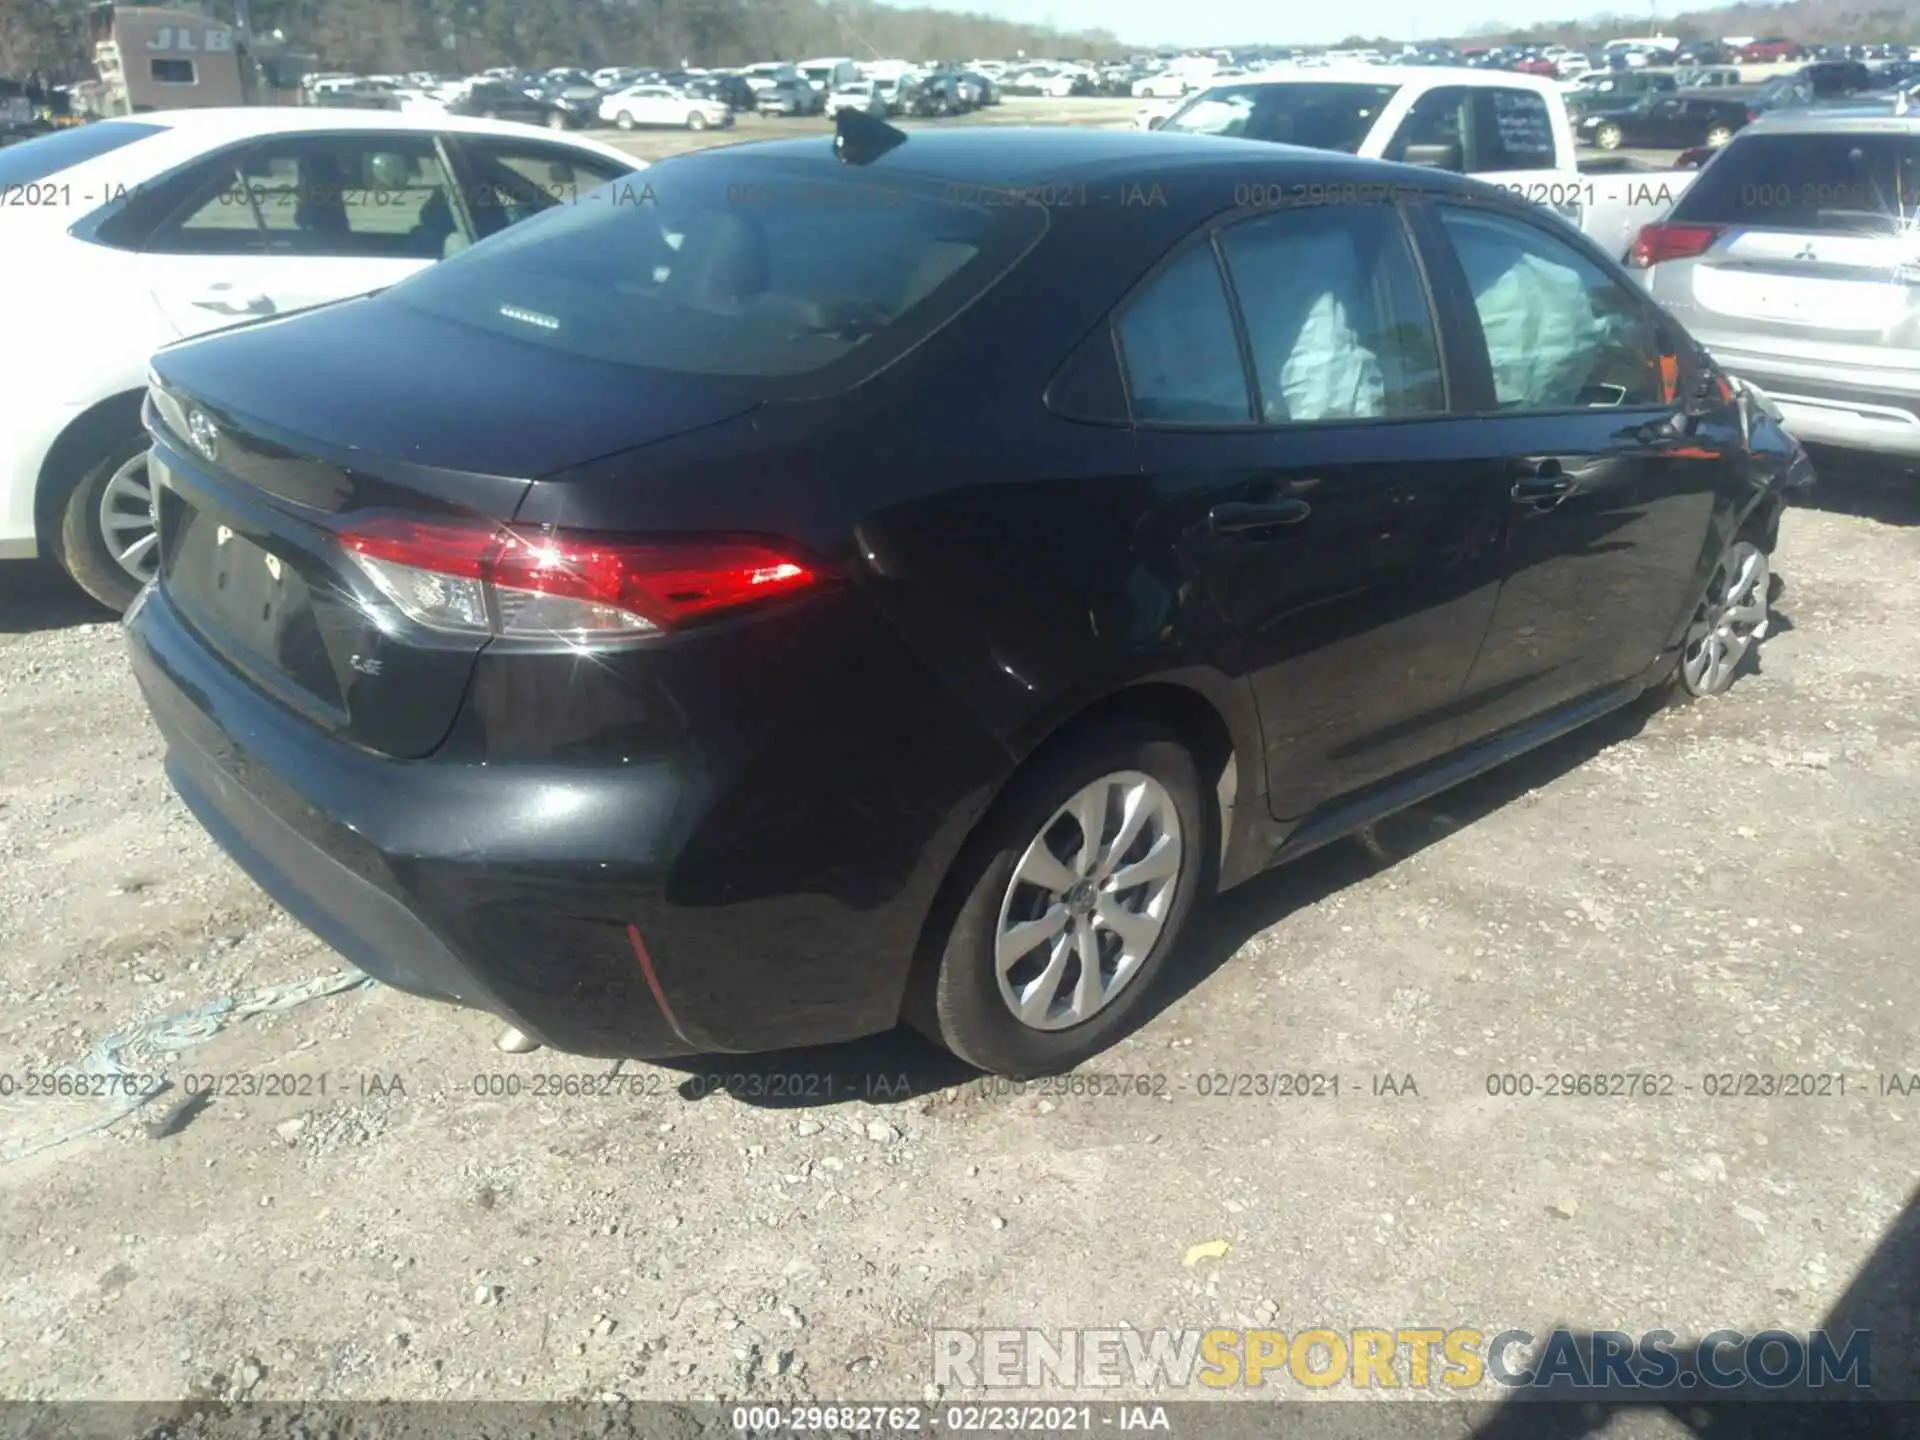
column 1225, row 22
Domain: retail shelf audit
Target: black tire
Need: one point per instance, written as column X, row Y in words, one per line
column 696, row 121
column 1608, row 137
column 78, row 543
column 956, row 1000
column 557, row 120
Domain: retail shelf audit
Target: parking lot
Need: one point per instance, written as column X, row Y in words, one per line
column 346, row 1193
column 1684, row 891
column 1014, row 110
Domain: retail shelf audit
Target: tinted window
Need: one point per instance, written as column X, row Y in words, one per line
column 373, row 196
column 1326, row 116
column 1436, row 129
column 1182, row 355
column 1834, row 181
column 722, row 266
column 1561, row 332
column 516, row 179
column 1514, row 132
column 1336, row 314
column 31, row 160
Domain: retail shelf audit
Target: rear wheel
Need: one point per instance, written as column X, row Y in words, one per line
column 624, row 120
column 1719, row 135
column 106, row 539
column 556, row 120
column 696, row 121
column 1077, row 888
column 1608, row 137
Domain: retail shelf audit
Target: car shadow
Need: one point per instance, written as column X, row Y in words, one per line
column 1882, row 1300
column 37, row 595
column 900, row 1065
column 1865, row 486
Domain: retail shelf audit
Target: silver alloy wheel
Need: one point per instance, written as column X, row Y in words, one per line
column 127, row 521
column 1731, row 620
column 1608, row 137
column 1088, row 900
column 1719, row 135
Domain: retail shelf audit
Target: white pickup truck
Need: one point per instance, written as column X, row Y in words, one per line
column 1494, row 125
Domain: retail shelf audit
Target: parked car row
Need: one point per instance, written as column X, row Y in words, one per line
column 147, row 229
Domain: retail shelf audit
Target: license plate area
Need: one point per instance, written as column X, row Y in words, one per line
column 249, row 594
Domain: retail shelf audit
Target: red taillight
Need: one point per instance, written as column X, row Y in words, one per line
column 1657, row 244
column 493, row 579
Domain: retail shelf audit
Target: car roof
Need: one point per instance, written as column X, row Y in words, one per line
column 1003, row 156
column 1357, row 73
column 218, row 125
column 237, row 122
column 1843, row 120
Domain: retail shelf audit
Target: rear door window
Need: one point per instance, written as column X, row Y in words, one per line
column 1336, row 315
column 1182, row 353
column 1513, row 131
column 1833, row 181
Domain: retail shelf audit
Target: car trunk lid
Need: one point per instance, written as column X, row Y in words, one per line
column 257, row 473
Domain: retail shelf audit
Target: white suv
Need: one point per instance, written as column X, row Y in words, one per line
column 125, row 235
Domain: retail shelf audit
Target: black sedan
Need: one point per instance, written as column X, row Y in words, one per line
column 902, row 576
column 1676, row 121
column 498, row 100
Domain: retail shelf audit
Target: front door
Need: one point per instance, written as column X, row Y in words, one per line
column 1610, row 487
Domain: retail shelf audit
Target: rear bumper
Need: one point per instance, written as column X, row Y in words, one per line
column 1847, row 408
column 573, row 903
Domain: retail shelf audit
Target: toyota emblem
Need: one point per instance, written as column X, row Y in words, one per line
column 204, row 434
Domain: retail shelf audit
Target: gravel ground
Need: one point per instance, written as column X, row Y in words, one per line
column 1722, row 887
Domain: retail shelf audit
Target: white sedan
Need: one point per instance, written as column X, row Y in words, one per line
column 857, row 95
column 136, row 232
column 663, row 105
column 1165, row 86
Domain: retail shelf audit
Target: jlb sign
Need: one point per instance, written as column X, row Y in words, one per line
column 191, row 40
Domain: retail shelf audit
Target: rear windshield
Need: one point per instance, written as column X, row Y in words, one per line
column 1319, row 115
column 712, row 266
column 1832, row 181
column 47, row 155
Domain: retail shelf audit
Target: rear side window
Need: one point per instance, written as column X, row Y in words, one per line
column 719, row 266
column 1182, row 354
column 1835, row 181
column 31, row 160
